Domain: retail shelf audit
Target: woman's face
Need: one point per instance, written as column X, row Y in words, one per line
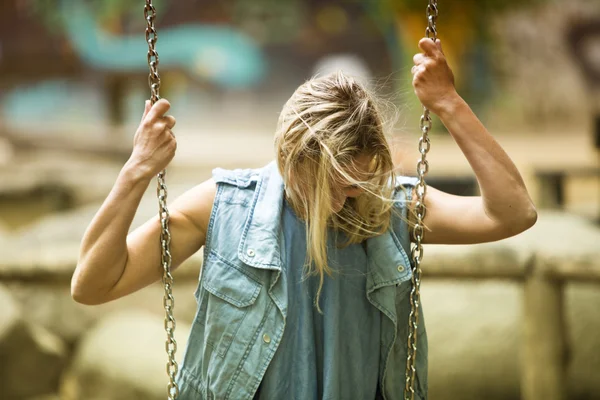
column 341, row 189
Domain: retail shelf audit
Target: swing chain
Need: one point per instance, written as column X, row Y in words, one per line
column 152, row 38
column 418, row 230
column 161, row 192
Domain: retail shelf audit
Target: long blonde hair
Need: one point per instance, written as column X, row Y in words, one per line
column 327, row 123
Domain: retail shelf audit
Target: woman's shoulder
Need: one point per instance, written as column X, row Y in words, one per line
column 405, row 180
column 240, row 177
column 404, row 187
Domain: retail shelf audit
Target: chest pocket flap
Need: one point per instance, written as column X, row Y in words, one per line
column 229, row 283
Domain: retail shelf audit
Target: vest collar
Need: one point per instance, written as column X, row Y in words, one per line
column 259, row 245
column 388, row 263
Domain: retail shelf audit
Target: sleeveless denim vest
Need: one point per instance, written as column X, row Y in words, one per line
column 242, row 301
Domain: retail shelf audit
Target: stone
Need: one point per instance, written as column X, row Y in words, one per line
column 122, row 357
column 7, row 152
column 582, row 302
column 475, row 333
column 32, row 357
column 45, row 397
column 51, row 305
column 474, row 338
column 49, row 248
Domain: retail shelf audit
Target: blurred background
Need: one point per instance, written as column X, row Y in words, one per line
column 516, row 319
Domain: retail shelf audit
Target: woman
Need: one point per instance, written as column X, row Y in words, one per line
column 304, row 288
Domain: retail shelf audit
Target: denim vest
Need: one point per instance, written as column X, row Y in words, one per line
column 242, row 302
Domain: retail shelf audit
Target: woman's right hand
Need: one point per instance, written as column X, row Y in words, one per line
column 154, row 144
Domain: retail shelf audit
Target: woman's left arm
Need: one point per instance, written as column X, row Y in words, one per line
column 504, row 208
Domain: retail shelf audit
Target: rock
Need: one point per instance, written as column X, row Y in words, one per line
column 122, row 357
column 45, row 397
column 474, row 336
column 10, row 315
column 48, row 250
column 582, row 302
column 7, row 152
column 32, row 357
column 51, row 305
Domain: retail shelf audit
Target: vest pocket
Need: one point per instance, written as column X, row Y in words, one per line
column 230, row 293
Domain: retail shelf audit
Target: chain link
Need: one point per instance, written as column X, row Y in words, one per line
column 161, row 193
column 418, row 230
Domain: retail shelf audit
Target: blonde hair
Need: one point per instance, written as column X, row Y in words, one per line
column 327, row 123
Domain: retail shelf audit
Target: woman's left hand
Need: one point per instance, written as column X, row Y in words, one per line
column 433, row 79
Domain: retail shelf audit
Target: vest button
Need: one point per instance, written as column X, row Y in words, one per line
column 250, row 253
column 400, row 268
column 266, row 338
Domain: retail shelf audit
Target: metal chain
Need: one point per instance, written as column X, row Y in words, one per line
column 418, row 230
column 161, row 192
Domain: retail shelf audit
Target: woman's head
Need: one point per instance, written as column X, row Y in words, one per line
column 335, row 161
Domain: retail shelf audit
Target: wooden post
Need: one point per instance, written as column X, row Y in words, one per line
column 544, row 361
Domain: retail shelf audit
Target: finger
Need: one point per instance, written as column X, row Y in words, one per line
column 146, row 109
column 169, row 132
column 438, row 43
column 419, row 58
column 416, row 69
column 159, row 109
column 428, row 47
column 159, row 127
column 170, row 121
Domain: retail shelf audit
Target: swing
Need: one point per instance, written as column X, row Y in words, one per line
column 165, row 236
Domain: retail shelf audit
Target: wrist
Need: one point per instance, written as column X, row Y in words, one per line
column 136, row 172
column 448, row 106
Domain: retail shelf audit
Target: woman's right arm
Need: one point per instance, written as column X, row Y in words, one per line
column 112, row 263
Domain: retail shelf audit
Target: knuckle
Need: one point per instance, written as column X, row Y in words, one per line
column 160, row 126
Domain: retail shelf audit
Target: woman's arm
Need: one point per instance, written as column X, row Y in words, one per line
column 112, row 263
column 504, row 208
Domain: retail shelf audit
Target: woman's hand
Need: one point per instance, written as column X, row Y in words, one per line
column 433, row 79
column 154, row 144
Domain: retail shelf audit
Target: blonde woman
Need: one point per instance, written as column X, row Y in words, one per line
column 304, row 287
